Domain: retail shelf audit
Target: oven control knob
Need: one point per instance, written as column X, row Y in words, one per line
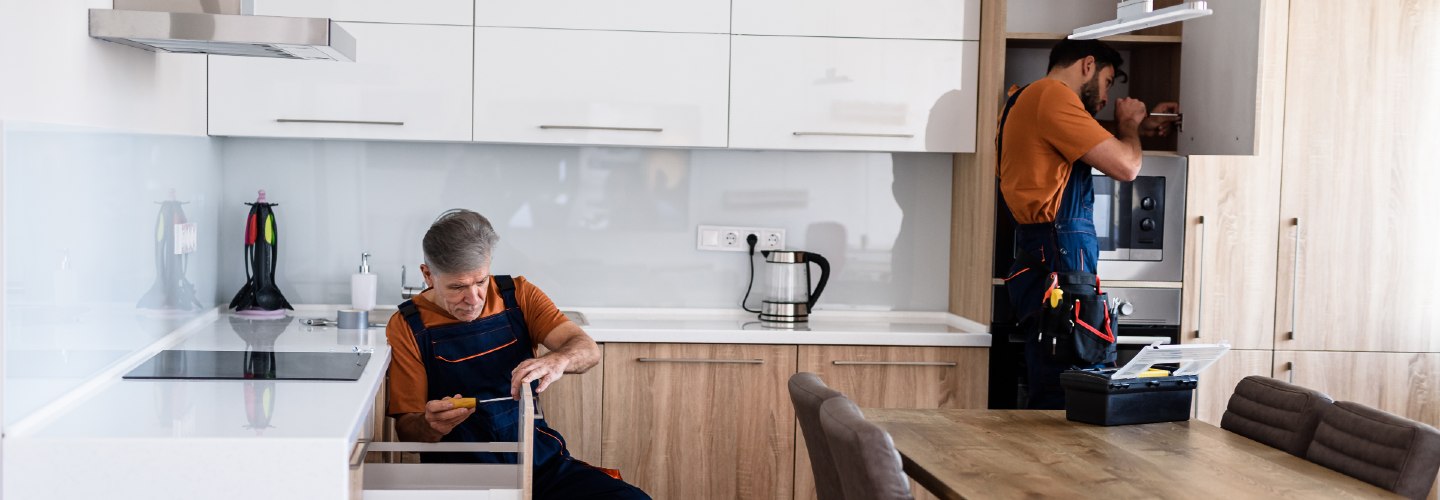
column 1147, row 224
column 1147, row 203
column 1125, row 308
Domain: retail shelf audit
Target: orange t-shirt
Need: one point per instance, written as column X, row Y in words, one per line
column 408, row 385
column 1047, row 131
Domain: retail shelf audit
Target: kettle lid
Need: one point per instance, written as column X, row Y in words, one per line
column 784, row 256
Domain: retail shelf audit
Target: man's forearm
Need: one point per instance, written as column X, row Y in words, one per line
column 581, row 354
column 413, row 427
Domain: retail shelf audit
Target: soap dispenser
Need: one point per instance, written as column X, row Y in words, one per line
column 363, row 285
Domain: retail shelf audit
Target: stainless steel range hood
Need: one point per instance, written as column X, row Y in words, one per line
column 219, row 27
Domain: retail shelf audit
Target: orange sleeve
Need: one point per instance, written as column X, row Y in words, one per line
column 1067, row 126
column 407, row 384
column 541, row 315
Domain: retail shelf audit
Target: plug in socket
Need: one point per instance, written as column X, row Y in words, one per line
column 732, row 238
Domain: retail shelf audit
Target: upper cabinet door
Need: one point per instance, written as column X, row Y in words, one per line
column 453, row 12
column 410, row 83
column 1220, row 62
column 853, row 94
column 693, row 16
column 929, row 19
column 600, row 87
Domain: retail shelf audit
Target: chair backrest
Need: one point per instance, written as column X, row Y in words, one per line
column 865, row 457
column 807, row 393
column 1395, row 453
column 1273, row 412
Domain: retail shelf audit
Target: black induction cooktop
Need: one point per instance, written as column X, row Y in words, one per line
column 252, row 365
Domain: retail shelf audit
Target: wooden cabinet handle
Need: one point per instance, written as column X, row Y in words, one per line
column 1294, row 278
column 347, row 122
column 1290, row 371
column 703, row 360
column 588, row 127
column 1200, row 276
column 895, row 363
column 855, row 134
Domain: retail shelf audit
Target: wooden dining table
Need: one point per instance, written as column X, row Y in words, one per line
column 1039, row 454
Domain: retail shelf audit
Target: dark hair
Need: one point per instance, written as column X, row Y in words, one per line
column 1068, row 51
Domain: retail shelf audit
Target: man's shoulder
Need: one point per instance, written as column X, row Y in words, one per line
column 1046, row 91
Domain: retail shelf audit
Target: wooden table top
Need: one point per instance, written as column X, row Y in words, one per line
column 1038, row 454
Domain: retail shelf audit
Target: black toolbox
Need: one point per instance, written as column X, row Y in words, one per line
column 1091, row 396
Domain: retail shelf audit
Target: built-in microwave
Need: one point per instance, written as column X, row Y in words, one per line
column 1141, row 224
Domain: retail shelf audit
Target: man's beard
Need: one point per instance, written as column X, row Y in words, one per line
column 1090, row 95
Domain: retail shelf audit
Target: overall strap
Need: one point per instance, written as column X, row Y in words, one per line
column 512, row 308
column 507, row 290
column 1005, row 115
column 411, row 313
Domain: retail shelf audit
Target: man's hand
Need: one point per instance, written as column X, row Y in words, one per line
column 1128, row 115
column 1153, row 126
column 443, row 416
column 547, row 369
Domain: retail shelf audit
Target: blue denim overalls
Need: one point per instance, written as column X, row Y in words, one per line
column 1067, row 244
column 474, row 359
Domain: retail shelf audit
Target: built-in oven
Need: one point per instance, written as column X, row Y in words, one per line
column 1140, row 227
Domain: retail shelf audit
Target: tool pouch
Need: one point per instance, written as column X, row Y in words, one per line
column 1078, row 326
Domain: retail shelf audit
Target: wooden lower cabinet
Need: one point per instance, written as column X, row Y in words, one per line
column 894, row 377
column 1397, row 382
column 1218, row 382
column 572, row 406
column 698, row 421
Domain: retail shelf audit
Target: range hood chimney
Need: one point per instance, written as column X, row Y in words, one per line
column 219, row 27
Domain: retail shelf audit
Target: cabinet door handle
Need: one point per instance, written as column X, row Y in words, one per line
column 703, row 360
column 357, row 454
column 1290, row 371
column 1200, row 276
column 1294, row 277
column 855, row 134
column 895, row 363
column 347, row 122
column 588, row 127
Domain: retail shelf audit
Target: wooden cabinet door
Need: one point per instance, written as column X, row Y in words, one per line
column 701, row 420
column 894, row 377
column 1218, row 382
column 1220, row 64
column 572, row 406
column 1397, row 382
column 601, row 87
column 811, row 93
column 1357, row 232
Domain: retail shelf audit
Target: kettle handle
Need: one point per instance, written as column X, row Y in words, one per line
column 824, row 276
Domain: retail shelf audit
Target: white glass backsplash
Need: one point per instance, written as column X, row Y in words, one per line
column 595, row 226
column 91, row 273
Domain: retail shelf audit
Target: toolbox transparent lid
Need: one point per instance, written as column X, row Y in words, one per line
column 1193, row 358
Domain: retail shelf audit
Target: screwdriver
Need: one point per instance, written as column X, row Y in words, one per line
column 471, row 402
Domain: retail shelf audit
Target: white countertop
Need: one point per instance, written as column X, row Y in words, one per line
column 728, row 326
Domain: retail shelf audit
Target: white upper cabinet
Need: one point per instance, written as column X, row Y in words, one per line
column 927, row 19
column 410, row 82
column 853, row 94
column 453, row 12
column 1220, row 63
column 600, row 87
column 693, row 16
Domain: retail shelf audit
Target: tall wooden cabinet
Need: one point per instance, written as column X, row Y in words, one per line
column 893, row 377
column 701, row 420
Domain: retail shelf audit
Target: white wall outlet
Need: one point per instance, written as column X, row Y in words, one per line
column 732, row 238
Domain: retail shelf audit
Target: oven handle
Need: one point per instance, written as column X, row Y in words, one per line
column 1294, row 277
column 1200, row 276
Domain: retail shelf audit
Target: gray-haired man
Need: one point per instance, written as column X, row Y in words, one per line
column 474, row 335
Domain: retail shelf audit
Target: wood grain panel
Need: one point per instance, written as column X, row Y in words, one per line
column 963, row 385
column 682, row 430
column 1363, row 85
column 972, row 214
column 1218, row 382
column 572, row 405
column 1231, row 256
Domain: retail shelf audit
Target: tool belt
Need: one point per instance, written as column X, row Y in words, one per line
column 1076, row 321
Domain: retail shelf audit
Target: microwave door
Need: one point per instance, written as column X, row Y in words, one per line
column 1112, row 225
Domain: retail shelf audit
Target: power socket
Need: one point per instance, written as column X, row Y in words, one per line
column 732, row 238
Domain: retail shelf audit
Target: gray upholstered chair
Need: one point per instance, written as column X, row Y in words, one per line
column 807, row 393
column 1273, row 412
column 865, row 457
column 1395, row 453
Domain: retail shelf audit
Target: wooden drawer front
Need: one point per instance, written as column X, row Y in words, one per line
column 701, row 420
column 894, row 377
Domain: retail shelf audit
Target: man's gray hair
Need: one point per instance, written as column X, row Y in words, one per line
column 459, row 241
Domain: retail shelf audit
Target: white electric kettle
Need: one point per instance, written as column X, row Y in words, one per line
column 788, row 296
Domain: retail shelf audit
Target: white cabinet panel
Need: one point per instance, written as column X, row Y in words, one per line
column 410, row 83
column 600, row 87
column 932, row 19
column 455, row 12
column 853, row 94
column 697, row 16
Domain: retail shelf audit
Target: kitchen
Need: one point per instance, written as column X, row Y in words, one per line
column 609, row 221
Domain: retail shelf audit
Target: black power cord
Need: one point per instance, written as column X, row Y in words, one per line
column 750, row 240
